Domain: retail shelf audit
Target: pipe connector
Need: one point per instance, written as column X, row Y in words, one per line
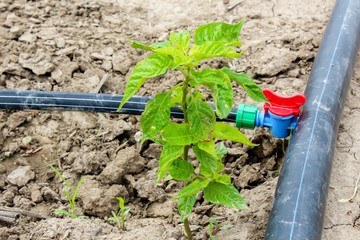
column 280, row 115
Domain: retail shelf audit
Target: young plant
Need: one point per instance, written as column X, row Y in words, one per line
column 26, row 144
column 212, row 229
column 120, row 217
column 72, row 214
column 200, row 127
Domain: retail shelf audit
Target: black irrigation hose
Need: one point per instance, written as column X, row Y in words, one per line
column 90, row 102
column 300, row 198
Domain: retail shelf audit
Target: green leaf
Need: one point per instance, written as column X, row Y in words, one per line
column 178, row 134
column 155, row 65
column 63, row 212
column 185, row 206
column 254, row 91
column 223, row 98
column 224, row 131
column 228, row 34
column 168, row 178
column 77, row 189
column 209, row 164
column 158, row 140
column 228, row 226
column 228, row 195
column 156, row 115
column 152, row 47
column 193, row 188
column 181, row 40
column 26, row 141
column 220, row 150
column 178, row 56
column 225, row 179
column 181, row 170
column 176, row 97
column 121, row 203
column 201, row 118
column 168, row 155
column 209, row 147
column 209, row 75
column 211, row 50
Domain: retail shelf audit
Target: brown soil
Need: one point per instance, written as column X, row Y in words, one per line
column 70, row 45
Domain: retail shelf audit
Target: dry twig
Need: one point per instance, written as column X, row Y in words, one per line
column 101, row 83
column 23, row 212
column 229, row 8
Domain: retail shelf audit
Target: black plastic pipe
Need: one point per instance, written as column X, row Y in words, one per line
column 91, row 102
column 299, row 203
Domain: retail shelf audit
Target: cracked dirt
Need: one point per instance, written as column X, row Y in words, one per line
column 70, row 45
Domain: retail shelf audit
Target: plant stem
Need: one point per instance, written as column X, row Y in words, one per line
column 185, row 90
column 187, row 229
column 183, row 103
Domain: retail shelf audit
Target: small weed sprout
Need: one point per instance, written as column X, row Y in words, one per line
column 72, row 214
column 200, row 128
column 120, row 217
column 212, row 229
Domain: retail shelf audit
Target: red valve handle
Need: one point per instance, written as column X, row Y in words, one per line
column 283, row 106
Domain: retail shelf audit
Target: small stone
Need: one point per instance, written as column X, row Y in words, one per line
column 27, row 37
column 294, row 73
column 7, row 154
column 109, row 51
column 8, row 196
column 11, row 18
column 121, row 64
column 60, row 42
column 40, row 63
column 34, row 20
column 36, row 196
column 106, row 65
column 49, row 42
column 66, row 51
column 15, row 32
column 49, row 194
column 97, row 56
column 21, row 176
column 83, row 44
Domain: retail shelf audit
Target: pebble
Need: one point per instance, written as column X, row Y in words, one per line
column 106, row 65
column 27, row 37
column 40, row 63
column 97, row 56
column 109, row 51
column 21, row 176
column 60, row 42
column 66, row 51
column 15, row 32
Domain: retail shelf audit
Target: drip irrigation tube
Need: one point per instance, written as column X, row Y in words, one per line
column 299, row 203
column 90, row 102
